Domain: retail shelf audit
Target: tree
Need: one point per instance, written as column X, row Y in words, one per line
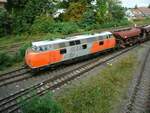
column 15, row 5
column 88, row 18
column 102, row 11
column 149, row 6
column 24, row 18
column 136, row 6
column 117, row 12
column 5, row 23
column 74, row 12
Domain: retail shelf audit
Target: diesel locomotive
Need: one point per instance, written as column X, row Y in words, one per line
column 47, row 53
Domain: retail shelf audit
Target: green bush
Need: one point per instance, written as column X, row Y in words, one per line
column 21, row 53
column 42, row 24
column 41, row 105
column 5, row 60
column 88, row 20
column 48, row 25
column 66, row 27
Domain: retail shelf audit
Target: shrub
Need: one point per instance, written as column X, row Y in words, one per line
column 5, row 60
column 21, row 53
column 42, row 24
column 88, row 20
column 41, row 105
column 66, row 27
column 48, row 25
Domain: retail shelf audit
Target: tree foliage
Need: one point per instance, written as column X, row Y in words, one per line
column 5, row 23
column 74, row 12
column 25, row 14
column 116, row 10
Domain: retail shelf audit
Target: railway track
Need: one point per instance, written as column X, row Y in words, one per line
column 140, row 96
column 14, row 76
column 11, row 104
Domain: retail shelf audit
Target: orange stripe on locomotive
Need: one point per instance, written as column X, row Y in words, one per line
column 40, row 59
column 103, row 45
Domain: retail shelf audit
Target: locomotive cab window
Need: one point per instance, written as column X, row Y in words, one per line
column 84, row 46
column 72, row 43
column 107, row 36
column 41, row 48
column 101, row 42
column 63, row 51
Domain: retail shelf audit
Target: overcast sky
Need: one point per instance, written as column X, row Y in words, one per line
column 132, row 3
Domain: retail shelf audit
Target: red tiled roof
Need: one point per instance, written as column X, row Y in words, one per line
column 141, row 11
column 145, row 10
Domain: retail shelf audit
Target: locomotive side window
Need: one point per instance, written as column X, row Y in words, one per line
column 63, row 51
column 77, row 42
column 55, row 46
column 72, row 43
column 41, row 49
column 91, row 39
column 101, row 42
column 107, row 36
column 61, row 45
column 110, row 36
column 101, row 37
column 84, row 46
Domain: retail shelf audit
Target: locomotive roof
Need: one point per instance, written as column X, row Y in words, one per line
column 78, row 37
column 47, row 42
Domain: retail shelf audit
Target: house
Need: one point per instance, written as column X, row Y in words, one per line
column 138, row 13
column 2, row 3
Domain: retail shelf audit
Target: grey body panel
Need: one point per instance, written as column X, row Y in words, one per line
column 77, row 51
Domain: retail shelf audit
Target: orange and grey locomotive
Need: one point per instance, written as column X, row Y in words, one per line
column 47, row 53
column 50, row 53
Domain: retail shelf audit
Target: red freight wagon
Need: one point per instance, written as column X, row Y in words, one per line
column 127, row 37
column 146, row 32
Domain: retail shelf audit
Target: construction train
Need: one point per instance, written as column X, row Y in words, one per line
column 47, row 53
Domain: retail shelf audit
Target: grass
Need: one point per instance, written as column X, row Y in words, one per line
column 140, row 22
column 99, row 94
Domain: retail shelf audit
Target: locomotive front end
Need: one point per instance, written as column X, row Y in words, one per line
column 36, row 59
